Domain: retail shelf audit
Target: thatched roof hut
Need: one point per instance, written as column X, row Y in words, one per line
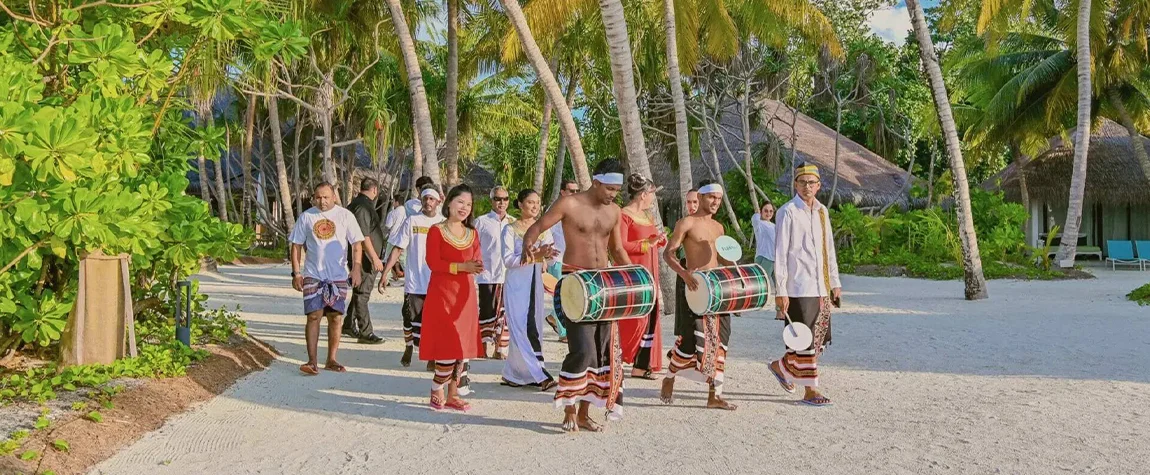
column 1113, row 175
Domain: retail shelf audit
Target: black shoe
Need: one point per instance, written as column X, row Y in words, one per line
column 370, row 340
column 347, row 332
column 406, row 359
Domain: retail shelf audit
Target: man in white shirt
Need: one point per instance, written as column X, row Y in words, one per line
column 567, row 188
column 807, row 276
column 324, row 233
column 392, row 222
column 411, row 239
column 490, row 229
column 765, row 239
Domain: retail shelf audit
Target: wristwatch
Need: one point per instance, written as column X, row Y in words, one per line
column 294, row 274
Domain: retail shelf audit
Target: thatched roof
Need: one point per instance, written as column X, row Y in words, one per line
column 1113, row 175
column 865, row 178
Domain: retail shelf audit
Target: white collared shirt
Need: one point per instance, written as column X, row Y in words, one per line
column 764, row 237
column 490, row 228
column 799, row 250
column 412, row 238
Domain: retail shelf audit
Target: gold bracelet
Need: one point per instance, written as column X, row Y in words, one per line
column 644, row 246
column 454, row 268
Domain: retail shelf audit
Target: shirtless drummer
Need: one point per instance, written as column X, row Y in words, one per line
column 697, row 334
column 590, row 225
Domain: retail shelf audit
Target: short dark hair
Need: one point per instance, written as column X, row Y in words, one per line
column 608, row 165
column 523, row 195
column 428, row 186
column 705, row 183
column 563, row 184
column 399, row 196
column 368, row 184
column 323, row 184
column 692, row 190
column 423, row 181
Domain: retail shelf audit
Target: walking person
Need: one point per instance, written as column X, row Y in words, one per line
column 524, row 298
column 765, row 239
column 567, row 188
column 641, row 338
column 410, row 239
column 451, row 310
column 807, row 276
column 391, row 223
column 358, row 322
column 324, row 232
column 491, row 312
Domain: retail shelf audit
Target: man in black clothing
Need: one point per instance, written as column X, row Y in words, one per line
column 358, row 321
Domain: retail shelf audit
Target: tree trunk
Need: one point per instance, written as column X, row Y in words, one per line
column 1069, row 241
column 296, row 188
column 205, row 192
column 281, row 165
column 623, row 85
column 744, row 106
column 561, row 152
column 551, row 88
column 325, row 98
column 726, row 196
column 544, row 137
column 419, row 109
column 246, row 161
column 451, row 102
column 930, row 175
column 416, row 166
column 221, row 194
column 682, row 133
column 975, row 281
column 1023, row 188
column 838, row 146
column 1136, row 141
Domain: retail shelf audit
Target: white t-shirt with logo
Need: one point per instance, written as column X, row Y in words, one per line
column 412, row 237
column 326, row 236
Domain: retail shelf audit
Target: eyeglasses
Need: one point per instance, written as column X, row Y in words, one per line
column 500, row 198
column 807, row 182
column 572, row 190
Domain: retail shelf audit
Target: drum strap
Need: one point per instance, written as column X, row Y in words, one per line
column 823, row 321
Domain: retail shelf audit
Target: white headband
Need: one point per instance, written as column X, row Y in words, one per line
column 712, row 188
column 609, row 178
column 429, row 192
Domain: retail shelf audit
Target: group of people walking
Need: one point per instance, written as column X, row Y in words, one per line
column 478, row 287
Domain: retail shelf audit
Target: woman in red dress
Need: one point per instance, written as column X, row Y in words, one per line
column 451, row 309
column 641, row 338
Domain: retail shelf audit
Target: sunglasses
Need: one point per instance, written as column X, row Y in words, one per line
column 500, row 198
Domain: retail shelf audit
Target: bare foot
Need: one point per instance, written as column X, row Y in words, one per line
column 716, row 402
column 667, row 394
column 569, row 424
column 587, row 424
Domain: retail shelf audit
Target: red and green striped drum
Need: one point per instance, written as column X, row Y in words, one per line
column 730, row 290
column 600, row 295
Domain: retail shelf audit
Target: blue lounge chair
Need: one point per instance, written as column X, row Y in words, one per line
column 1122, row 252
column 1143, row 252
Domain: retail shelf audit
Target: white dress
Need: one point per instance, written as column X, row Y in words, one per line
column 523, row 300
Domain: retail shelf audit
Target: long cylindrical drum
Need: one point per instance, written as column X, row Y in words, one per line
column 598, row 295
column 730, row 290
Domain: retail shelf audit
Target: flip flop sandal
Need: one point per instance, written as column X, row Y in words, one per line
column 647, row 374
column 309, row 369
column 547, row 385
column 334, row 366
column 788, row 387
column 510, row 384
column 551, row 322
column 459, row 405
column 436, row 403
column 818, row 401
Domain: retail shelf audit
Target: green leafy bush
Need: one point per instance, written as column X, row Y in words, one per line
column 1141, row 295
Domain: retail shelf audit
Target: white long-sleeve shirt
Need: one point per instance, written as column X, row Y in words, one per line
column 799, row 250
column 490, row 229
column 764, row 237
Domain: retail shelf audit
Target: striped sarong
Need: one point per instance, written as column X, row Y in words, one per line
column 324, row 295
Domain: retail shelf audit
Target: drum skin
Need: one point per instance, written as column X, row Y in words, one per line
column 731, row 289
column 599, row 295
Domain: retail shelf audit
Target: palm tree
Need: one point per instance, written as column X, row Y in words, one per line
column 420, row 110
column 451, row 96
column 975, row 281
column 551, row 88
column 623, row 87
column 1067, row 248
column 682, row 134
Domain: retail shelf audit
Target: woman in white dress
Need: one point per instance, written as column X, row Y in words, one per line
column 523, row 299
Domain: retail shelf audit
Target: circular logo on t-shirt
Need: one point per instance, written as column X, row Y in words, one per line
column 324, row 229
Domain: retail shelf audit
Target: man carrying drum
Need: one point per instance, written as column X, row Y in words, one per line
column 589, row 221
column 700, row 351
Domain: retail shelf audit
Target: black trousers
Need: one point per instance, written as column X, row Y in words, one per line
column 358, row 319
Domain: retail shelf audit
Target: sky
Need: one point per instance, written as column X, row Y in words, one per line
column 893, row 23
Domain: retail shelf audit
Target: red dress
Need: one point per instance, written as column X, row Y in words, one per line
column 451, row 309
column 641, row 338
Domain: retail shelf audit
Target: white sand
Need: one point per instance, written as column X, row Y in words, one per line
column 1045, row 377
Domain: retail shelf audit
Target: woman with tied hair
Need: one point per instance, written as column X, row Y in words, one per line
column 641, row 338
column 523, row 297
column 451, row 310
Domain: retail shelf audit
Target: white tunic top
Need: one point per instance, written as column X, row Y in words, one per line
column 490, row 229
column 799, row 250
column 412, row 237
column 325, row 236
column 764, row 237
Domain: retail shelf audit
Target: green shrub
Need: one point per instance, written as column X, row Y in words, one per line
column 1141, row 295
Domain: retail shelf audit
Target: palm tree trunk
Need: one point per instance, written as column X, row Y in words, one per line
column 246, row 162
column 551, row 88
column 205, row 192
column 281, row 165
column 838, row 146
column 451, row 150
column 975, row 281
column 682, row 134
column 930, row 174
column 1022, row 160
column 544, row 138
column 326, row 98
column 1069, row 241
column 416, row 165
column 229, row 197
column 744, row 107
column 623, row 82
column 1136, row 141
column 221, row 194
column 296, row 188
column 419, row 109
column 731, row 216
column 561, row 152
